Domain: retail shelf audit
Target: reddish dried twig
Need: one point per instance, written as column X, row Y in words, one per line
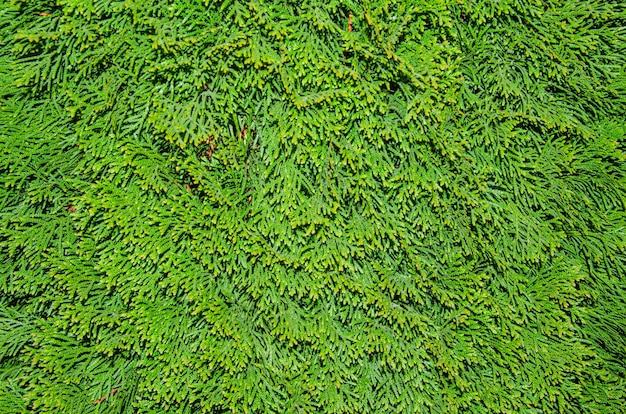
column 100, row 400
column 209, row 152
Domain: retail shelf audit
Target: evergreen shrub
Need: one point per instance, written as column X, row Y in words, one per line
column 334, row 206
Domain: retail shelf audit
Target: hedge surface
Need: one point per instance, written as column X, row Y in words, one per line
column 312, row 206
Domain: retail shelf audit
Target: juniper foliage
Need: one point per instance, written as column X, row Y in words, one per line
column 334, row 206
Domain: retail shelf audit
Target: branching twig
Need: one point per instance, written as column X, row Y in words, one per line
column 100, row 400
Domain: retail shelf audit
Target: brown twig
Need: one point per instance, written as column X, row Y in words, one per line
column 100, row 400
column 209, row 152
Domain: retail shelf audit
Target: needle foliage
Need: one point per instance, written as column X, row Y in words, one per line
column 333, row 206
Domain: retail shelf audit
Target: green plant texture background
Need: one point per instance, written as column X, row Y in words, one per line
column 332, row 206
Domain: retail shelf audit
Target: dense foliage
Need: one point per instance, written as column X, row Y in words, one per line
column 335, row 206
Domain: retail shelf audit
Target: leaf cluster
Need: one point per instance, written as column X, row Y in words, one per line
column 318, row 206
